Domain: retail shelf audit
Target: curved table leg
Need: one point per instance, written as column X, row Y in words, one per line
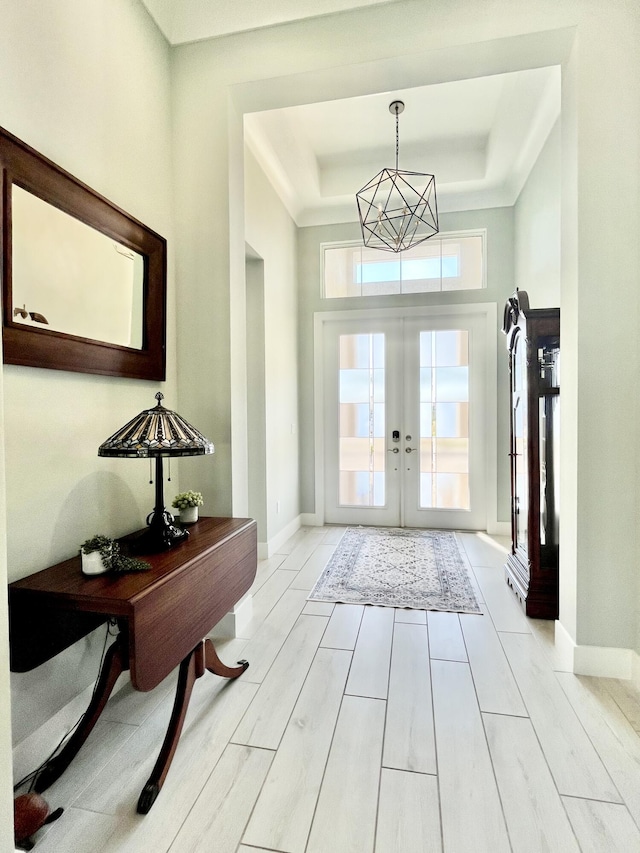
column 203, row 657
column 213, row 663
column 186, row 679
column 115, row 662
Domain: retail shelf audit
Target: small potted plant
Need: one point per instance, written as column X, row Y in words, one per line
column 97, row 555
column 101, row 554
column 188, row 503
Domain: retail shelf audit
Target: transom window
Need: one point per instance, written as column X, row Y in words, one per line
column 453, row 261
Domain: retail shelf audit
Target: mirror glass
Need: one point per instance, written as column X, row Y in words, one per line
column 68, row 277
column 84, row 284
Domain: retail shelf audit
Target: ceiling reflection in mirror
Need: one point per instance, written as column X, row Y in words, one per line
column 69, row 277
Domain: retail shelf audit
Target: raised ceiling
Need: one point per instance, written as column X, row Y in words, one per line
column 480, row 137
column 193, row 20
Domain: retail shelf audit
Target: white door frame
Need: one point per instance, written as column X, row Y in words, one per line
column 486, row 310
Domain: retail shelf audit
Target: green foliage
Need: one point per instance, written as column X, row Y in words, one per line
column 111, row 557
column 129, row 564
column 187, row 499
column 99, row 543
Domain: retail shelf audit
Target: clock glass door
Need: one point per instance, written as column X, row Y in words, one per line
column 519, row 449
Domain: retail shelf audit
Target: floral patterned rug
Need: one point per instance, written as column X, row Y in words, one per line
column 421, row 569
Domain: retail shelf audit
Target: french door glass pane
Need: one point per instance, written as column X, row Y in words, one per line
column 362, row 454
column 444, row 420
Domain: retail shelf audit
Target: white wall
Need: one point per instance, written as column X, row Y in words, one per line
column 498, row 223
column 538, row 227
column 271, row 232
column 86, row 83
column 600, row 323
column 6, row 764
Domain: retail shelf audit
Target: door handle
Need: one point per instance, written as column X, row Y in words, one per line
column 410, row 449
column 393, row 450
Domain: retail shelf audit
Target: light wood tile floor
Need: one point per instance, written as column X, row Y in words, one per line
column 367, row 730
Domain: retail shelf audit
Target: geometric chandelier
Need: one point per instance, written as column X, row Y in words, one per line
column 398, row 209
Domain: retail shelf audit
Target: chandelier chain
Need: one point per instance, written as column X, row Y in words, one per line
column 397, row 138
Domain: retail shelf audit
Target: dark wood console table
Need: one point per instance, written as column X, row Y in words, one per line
column 162, row 615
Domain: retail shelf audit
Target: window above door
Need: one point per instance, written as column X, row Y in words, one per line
column 451, row 261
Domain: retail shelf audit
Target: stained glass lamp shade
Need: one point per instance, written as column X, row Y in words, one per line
column 157, row 433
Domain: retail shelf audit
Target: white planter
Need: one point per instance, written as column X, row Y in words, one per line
column 189, row 515
column 92, row 564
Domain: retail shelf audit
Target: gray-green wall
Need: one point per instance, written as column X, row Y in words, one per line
column 537, row 227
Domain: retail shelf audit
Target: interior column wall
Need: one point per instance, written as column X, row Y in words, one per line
column 201, row 155
column 568, row 564
column 256, row 393
column 606, row 314
column 272, row 234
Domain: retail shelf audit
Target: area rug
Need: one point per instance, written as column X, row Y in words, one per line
column 421, row 569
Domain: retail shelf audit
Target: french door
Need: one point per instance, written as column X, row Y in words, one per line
column 404, row 421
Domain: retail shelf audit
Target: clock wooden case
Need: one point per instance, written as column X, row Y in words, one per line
column 533, row 343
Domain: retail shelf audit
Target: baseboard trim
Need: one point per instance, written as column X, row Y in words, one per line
column 233, row 623
column 604, row 661
column 267, row 549
column 635, row 675
column 601, row 661
column 499, row 528
column 565, row 648
column 316, row 519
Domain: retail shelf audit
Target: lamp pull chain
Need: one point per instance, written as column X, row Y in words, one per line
column 169, row 477
column 150, row 473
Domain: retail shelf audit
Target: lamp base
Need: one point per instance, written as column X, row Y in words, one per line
column 161, row 534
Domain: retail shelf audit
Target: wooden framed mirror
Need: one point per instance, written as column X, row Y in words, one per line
column 83, row 283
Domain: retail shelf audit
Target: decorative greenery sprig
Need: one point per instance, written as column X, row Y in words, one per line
column 99, row 543
column 120, row 563
column 187, row 499
column 111, row 557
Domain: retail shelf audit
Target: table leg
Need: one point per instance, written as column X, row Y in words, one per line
column 186, row 679
column 213, row 663
column 115, row 662
column 203, row 657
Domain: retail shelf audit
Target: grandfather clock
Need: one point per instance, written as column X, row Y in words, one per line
column 533, row 343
